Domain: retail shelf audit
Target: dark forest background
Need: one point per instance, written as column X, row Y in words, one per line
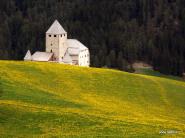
column 117, row 32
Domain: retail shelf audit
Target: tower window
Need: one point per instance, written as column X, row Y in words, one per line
column 55, row 35
column 49, row 35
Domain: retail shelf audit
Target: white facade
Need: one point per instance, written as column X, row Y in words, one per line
column 84, row 58
column 64, row 50
column 56, row 38
column 56, row 44
column 79, row 53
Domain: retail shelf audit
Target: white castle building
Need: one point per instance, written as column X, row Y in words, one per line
column 61, row 49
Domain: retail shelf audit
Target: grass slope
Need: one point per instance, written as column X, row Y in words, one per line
column 52, row 100
column 151, row 72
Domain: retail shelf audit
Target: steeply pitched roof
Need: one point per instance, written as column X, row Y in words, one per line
column 67, row 58
column 42, row 56
column 74, row 46
column 73, row 51
column 56, row 28
column 28, row 56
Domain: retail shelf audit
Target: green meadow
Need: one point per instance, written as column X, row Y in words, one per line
column 44, row 100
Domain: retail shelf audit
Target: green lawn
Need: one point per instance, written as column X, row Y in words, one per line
column 53, row 100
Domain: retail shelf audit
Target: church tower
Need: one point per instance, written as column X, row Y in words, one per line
column 56, row 41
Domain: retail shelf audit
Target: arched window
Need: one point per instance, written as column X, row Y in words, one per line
column 49, row 35
column 55, row 35
column 51, row 50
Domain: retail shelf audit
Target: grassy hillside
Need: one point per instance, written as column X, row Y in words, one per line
column 52, row 100
column 151, row 72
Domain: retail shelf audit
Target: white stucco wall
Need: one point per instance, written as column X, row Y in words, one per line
column 57, row 45
column 62, row 46
column 52, row 43
column 84, row 58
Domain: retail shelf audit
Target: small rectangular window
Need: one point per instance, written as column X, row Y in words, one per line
column 55, row 35
column 49, row 35
column 61, row 35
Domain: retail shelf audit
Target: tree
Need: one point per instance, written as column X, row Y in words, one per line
column 120, row 60
column 112, row 57
column 96, row 61
column 108, row 62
